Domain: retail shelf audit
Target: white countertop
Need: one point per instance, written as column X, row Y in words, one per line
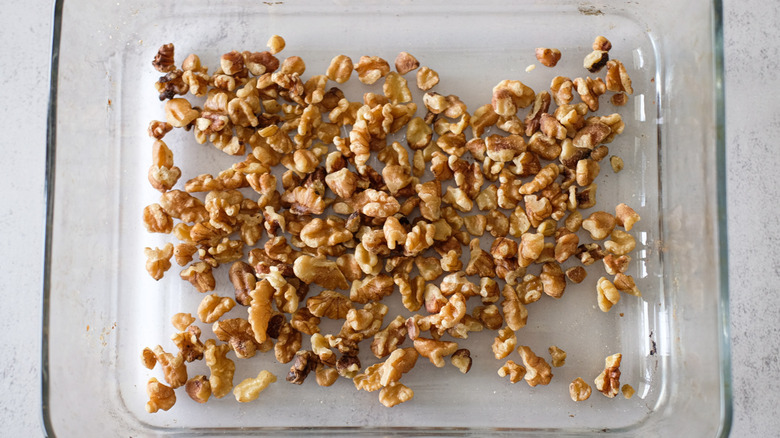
column 752, row 40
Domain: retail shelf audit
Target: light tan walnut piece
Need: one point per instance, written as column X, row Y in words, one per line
column 602, row 43
column 579, row 390
column 179, row 112
column 181, row 321
column 371, row 68
column 236, row 332
column 329, row 304
column 160, row 396
column 388, row 339
column 368, row 380
column 188, row 343
column 566, row 246
column 548, row 57
column 595, row 60
column 156, row 220
column 366, row 260
column 561, row 89
column 426, row 78
column 617, row 78
column 590, row 90
column 553, row 280
column 221, row 368
column 372, row 288
column 182, row 205
column 260, row 311
column 608, row 382
column 461, row 359
column 287, row 344
column 198, row 388
column 620, row 243
column 509, row 95
column 515, row 371
column 405, row 62
column 599, row 224
column 538, row 370
column 515, row 312
column 212, row 307
column 395, row 394
column 321, row 271
column 558, row 356
column 340, row 69
column 250, row 389
column 625, row 283
column 628, row 391
column 158, row 260
column 375, row 203
column 435, row 350
column 200, row 275
column 242, row 276
column 401, row 361
column 325, row 376
column 625, row 216
column 326, row 232
column 608, row 294
column 586, row 171
column 162, row 174
column 504, row 343
column 342, row 182
column 174, row 368
column 395, row 88
column 576, row 274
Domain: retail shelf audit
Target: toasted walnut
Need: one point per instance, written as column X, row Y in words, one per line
column 553, row 280
column 400, row 362
column 259, row 313
column 329, row 304
column 576, row 274
column 287, row 343
column 510, row 95
column 617, row 78
column 561, row 88
column 321, row 271
column 558, row 356
column 325, row 376
column 426, row 78
column 503, row 149
column 181, row 321
column 394, row 394
column 504, row 343
column 616, row 264
column 587, row 171
column 595, row 60
column 179, row 112
column 250, row 389
column 304, row 363
column 372, row 288
column 579, row 390
column 395, row 88
column 405, row 62
column 160, row 396
column 212, row 307
column 625, row 216
column 198, row 388
column 222, row 368
column 200, row 275
column 174, row 368
column 158, row 260
column 388, row 339
column 608, row 294
column 237, row 332
column 608, row 382
column 619, row 99
column 156, row 220
column 602, row 43
column 514, row 371
column 599, row 224
column 435, row 350
column 548, row 58
column 163, row 60
column 590, row 90
column 625, row 283
column 242, row 276
column 376, row 203
column 620, row 243
column 461, row 359
column 371, row 68
column 628, row 391
column 538, row 370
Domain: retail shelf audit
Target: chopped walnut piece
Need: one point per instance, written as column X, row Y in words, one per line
column 394, row 394
column 509, row 95
column 628, row 391
column 400, row 361
column 236, row 332
column 620, row 243
column 504, row 343
column 558, row 356
column 625, row 216
column 156, row 220
column 461, row 359
column 212, row 307
column 579, row 390
column 371, row 68
column 372, row 288
column 405, row 62
column 548, row 57
column 608, row 382
column 608, row 294
column 199, row 275
column 599, row 224
column 426, row 78
column 553, row 280
column 625, row 283
column 617, row 78
column 576, row 274
column 198, row 388
column 515, row 371
column 329, row 304
column 538, row 370
column 174, row 368
column 321, row 271
column 595, row 60
column 242, row 276
column 250, row 389
column 160, row 396
column 435, row 350
column 388, row 339
column 304, row 363
column 221, row 368
column 590, row 90
column 158, row 260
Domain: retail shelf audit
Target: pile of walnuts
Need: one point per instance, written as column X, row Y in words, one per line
column 365, row 218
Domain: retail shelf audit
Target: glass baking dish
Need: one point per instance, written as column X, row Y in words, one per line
column 101, row 308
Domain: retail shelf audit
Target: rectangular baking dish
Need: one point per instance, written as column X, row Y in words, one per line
column 101, row 308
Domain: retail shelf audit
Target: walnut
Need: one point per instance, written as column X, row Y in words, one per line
column 576, row 274
column 156, row 220
column 510, row 95
column 590, row 90
column 188, row 343
column 182, row 205
column 371, row 68
column 419, row 238
column 514, row 371
column 259, row 313
column 348, row 365
column 608, row 294
column 600, row 225
column 160, row 396
column 363, row 323
column 590, row 253
column 538, row 370
column 617, row 78
column 306, row 323
column 375, row 203
column 405, row 62
column 426, row 78
column 587, row 197
column 561, row 88
column 174, row 368
column 503, row 149
column 237, row 332
column 620, row 243
column 625, row 216
column 249, row 389
column 179, row 112
column 242, row 276
column 325, row 376
column 595, row 60
column 480, row 262
column 504, row 343
column 198, row 388
column 558, row 356
column 608, row 382
column 548, row 58
column 163, row 60
column 158, row 260
column 553, row 280
column 625, row 283
column 342, row 182
column 395, row 88
column 329, row 304
column 200, row 275
column 372, row 288
column 400, row 362
column 628, row 391
column 321, row 271
column 326, row 232
column 212, row 307
column 221, row 368
column 287, row 344
column 515, row 312
column 579, row 390
column 388, row 339
column 435, row 350
column 305, row 362
column 394, row 394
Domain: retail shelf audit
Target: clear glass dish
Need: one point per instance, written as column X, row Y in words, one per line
column 101, row 308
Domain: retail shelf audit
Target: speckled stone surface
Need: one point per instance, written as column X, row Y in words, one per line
column 752, row 40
